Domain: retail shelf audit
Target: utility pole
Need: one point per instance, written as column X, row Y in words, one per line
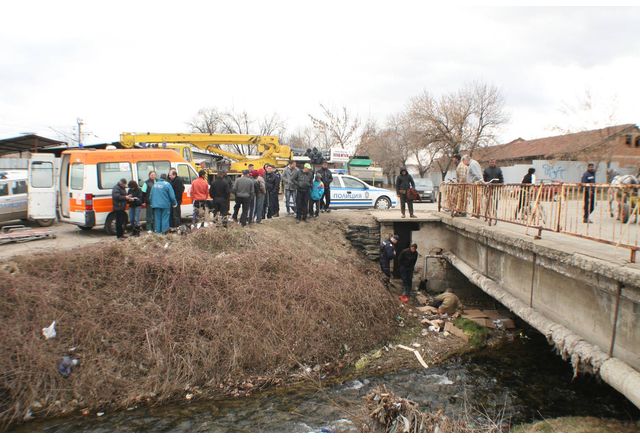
column 80, row 123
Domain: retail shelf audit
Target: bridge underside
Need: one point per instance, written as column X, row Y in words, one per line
column 587, row 306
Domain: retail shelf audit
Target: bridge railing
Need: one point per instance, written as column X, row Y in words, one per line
column 600, row 212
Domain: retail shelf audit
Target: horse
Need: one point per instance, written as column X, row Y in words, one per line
column 618, row 192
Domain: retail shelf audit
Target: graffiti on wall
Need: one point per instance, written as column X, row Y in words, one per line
column 554, row 171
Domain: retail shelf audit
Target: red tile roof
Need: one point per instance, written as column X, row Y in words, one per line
column 567, row 146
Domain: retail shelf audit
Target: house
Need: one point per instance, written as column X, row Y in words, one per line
column 618, row 146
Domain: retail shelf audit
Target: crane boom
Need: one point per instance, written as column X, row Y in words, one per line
column 269, row 147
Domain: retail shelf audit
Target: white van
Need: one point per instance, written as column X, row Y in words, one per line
column 18, row 201
column 82, row 192
column 87, row 178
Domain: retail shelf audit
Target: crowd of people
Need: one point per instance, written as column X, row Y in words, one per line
column 469, row 170
column 307, row 192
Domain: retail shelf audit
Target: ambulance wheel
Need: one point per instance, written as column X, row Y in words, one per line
column 85, row 228
column 383, row 203
column 45, row 222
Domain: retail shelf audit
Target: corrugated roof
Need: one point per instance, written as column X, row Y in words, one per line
column 28, row 142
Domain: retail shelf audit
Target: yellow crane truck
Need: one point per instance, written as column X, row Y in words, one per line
column 269, row 149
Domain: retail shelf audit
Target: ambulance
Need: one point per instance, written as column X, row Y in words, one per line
column 87, row 178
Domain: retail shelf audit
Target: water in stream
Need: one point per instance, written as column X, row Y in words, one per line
column 525, row 376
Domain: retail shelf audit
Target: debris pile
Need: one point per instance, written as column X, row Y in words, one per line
column 215, row 308
column 389, row 413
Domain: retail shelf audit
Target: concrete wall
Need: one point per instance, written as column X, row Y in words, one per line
column 596, row 300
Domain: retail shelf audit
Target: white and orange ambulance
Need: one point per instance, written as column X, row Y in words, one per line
column 87, row 178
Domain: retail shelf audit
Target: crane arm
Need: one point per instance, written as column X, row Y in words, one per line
column 267, row 146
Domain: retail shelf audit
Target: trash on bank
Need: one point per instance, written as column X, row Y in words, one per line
column 49, row 331
column 366, row 359
column 66, row 365
column 416, row 353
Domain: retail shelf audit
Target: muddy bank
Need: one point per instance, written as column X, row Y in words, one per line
column 219, row 311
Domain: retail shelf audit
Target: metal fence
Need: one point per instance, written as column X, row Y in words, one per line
column 600, row 212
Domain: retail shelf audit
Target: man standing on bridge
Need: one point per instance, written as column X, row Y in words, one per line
column 493, row 173
column 589, row 180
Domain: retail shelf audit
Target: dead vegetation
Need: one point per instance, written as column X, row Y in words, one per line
column 389, row 413
column 150, row 322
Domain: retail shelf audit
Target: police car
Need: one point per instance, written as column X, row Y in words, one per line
column 351, row 192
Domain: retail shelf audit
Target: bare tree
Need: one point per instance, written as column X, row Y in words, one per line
column 587, row 112
column 208, row 120
column 337, row 128
column 591, row 111
column 463, row 120
column 212, row 121
column 387, row 147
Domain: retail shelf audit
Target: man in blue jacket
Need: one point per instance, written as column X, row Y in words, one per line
column 163, row 199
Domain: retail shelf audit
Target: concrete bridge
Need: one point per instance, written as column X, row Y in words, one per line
column 582, row 295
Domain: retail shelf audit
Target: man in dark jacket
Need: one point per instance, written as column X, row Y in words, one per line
column 387, row 254
column 178, row 189
column 272, row 182
column 492, row 175
column 220, row 192
column 243, row 189
column 120, row 198
column 406, row 264
column 327, row 179
column 589, row 178
column 493, row 172
column 403, row 183
column 303, row 182
column 523, row 198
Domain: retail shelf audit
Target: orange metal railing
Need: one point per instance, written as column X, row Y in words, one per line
column 600, row 212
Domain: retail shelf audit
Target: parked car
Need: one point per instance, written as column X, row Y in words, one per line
column 13, row 196
column 425, row 188
column 351, row 192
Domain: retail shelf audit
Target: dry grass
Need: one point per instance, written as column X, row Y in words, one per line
column 389, row 413
column 216, row 306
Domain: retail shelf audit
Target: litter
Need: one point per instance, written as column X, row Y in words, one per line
column 100, row 414
column 417, row 354
column 66, row 365
column 49, row 331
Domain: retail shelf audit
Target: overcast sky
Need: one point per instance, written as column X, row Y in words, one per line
column 149, row 66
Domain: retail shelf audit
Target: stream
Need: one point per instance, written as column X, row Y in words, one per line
column 520, row 382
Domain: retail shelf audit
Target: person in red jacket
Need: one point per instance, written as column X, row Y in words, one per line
column 199, row 194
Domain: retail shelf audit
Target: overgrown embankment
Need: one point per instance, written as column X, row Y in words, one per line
column 149, row 322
